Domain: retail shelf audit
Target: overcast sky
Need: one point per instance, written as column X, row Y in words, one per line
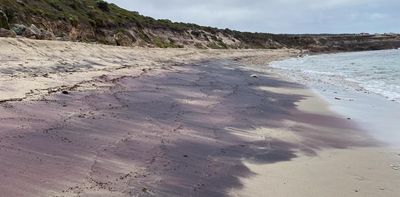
column 277, row 16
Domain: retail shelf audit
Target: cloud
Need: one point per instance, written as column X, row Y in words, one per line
column 277, row 16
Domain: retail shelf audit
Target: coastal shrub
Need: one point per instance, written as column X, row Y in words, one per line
column 217, row 45
column 125, row 32
column 213, row 45
column 214, row 37
column 55, row 5
column 323, row 41
column 73, row 20
column 170, row 43
column 10, row 14
column 159, row 43
column 222, row 45
column 144, row 36
column 199, row 46
column 4, row 20
column 102, row 5
column 196, row 33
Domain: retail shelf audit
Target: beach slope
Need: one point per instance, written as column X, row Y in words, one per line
column 94, row 120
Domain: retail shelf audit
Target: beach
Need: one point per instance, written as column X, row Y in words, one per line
column 82, row 119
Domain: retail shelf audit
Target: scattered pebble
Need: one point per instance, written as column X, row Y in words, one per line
column 185, row 155
column 337, row 98
column 65, row 92
column 395, row 167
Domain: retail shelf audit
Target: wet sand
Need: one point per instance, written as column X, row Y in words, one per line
column 109, row 121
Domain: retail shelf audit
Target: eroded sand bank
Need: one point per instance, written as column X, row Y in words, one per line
column 94, row 120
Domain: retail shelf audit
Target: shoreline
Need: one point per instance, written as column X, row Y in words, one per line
column 109, row 121
column 356, row 103
column 350, row 84
column 375, row 114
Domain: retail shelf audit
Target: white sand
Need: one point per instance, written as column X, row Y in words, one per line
column 334, row 172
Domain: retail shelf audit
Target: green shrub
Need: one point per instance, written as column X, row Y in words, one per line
column 73, row 20
column 102, row 5
column 55, row 5
column 4, row 20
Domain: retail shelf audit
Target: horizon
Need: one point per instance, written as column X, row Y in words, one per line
column 306, row 16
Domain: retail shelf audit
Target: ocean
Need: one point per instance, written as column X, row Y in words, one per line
column 375, row 72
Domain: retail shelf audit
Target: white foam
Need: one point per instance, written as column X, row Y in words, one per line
column 374, row 71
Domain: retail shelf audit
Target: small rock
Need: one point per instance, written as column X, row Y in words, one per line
column 254, row 76
column 348, row 118
column 7, row 33
column 32, row 32
column 65, row 92
column 395, row 167
column 19, row 29
column 123, row 39
column 35, row 30
column 144, row 189
column 185, row 155
column 337, row 98
column 47, row 35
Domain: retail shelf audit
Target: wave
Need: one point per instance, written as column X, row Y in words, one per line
column 375, row 71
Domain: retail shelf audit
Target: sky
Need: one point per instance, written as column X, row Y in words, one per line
column 277, row 16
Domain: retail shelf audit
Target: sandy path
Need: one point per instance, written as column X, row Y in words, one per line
column 172, row 124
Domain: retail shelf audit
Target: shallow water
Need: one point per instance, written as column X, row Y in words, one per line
column 373, row 71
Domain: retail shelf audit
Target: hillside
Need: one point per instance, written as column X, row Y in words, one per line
column 102, row 22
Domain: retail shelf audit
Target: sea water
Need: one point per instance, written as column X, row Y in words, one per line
column 373, row 71
column 363, row 86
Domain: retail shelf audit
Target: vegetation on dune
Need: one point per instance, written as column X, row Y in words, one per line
column 96, row 15
column 90, row 12
column 103, row 22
